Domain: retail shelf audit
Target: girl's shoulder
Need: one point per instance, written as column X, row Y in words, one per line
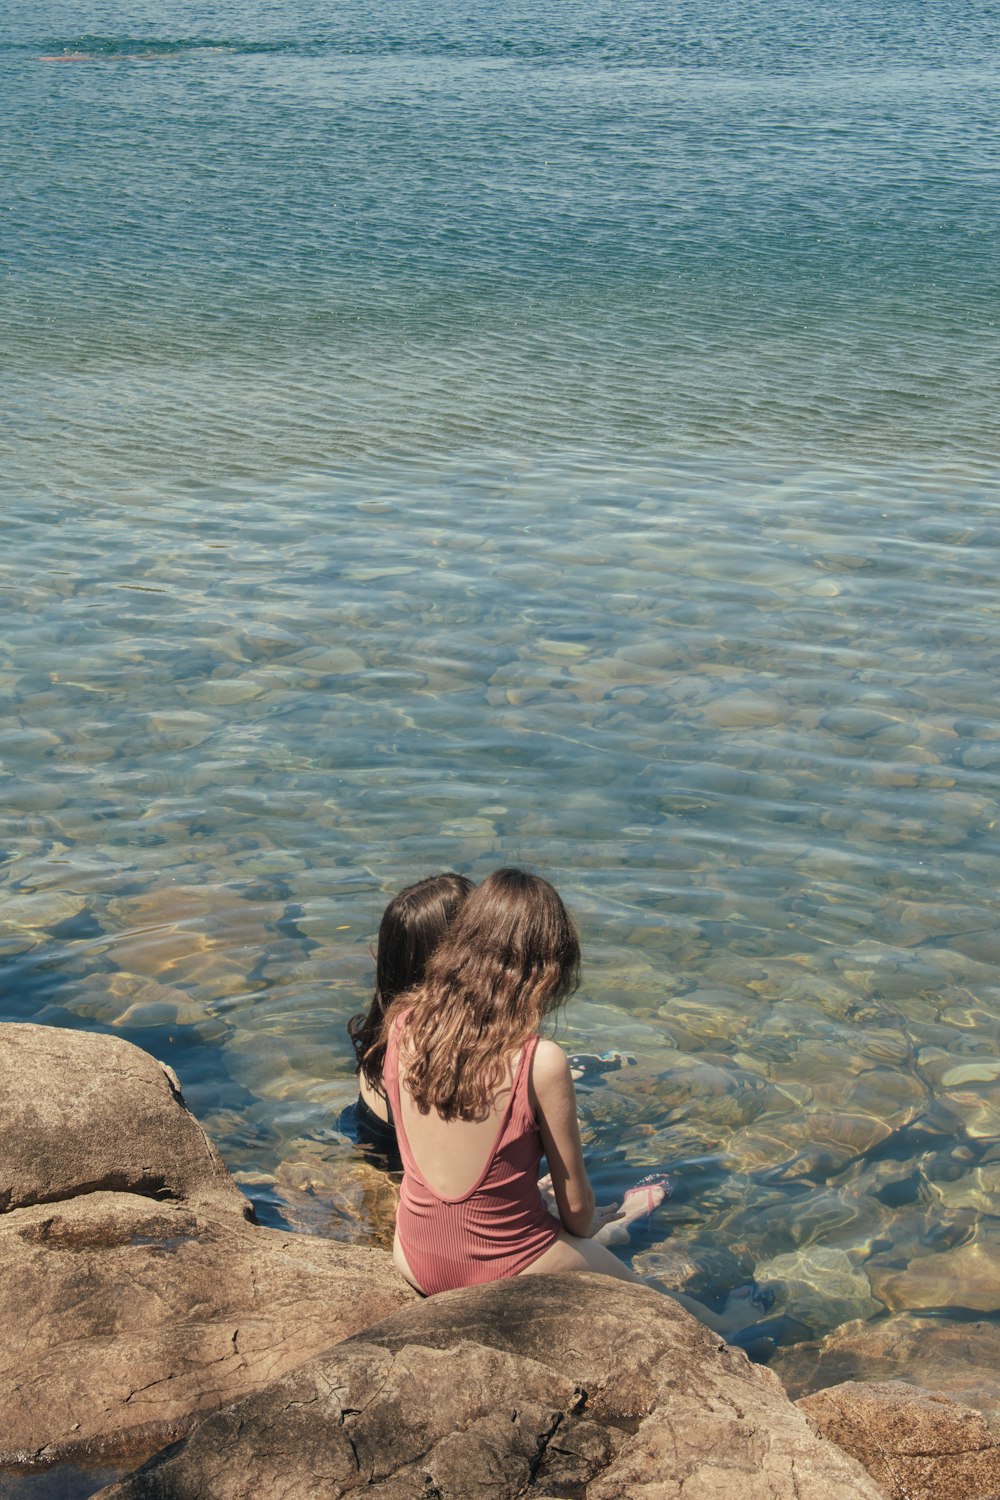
column 549, row 1063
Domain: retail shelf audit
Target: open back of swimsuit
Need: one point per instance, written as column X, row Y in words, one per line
column 500, row 1225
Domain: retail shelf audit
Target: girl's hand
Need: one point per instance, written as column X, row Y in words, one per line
column 604, row 1213
column 548, row 1193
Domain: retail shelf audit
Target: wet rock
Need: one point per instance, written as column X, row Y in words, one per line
column 561, row 1384
column 915, row 1444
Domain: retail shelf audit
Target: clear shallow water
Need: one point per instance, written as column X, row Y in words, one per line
column 437, row 441
column 744, row 721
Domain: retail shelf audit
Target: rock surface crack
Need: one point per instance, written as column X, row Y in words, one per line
column 543, row 1441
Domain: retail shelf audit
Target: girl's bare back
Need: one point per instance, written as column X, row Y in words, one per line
column 452, row 1155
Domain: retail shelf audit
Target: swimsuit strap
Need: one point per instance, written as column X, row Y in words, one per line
column 519, row 1102
column 390, row 1069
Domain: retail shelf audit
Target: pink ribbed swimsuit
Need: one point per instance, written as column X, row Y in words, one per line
column 500, row 1225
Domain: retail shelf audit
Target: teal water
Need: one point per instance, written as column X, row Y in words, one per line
column 439, row 439
column 255, row 240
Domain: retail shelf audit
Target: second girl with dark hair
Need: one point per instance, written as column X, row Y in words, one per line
column 412, row 926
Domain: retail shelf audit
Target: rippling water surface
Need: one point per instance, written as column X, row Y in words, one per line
column 260, row 238
column 440, row 440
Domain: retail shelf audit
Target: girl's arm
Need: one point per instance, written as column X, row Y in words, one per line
column 554, row 1099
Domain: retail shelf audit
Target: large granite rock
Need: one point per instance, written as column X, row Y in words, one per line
column 83, row 1113
column 961, row 1360
column 564, row 1385
column 134, row 1293
column 918, row 1446
column 137, row 1297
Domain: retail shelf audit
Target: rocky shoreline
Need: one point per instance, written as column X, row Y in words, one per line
column 151, row 1323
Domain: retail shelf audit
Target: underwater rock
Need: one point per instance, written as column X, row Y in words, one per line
column 223, row 692
column 959, row 1359
column 132, row 1001
column 978, row 1108
column 327, row 662
column 261, row 639
column 820, row 1286
column 887, row 1098
column 916, row 921
column 965, row 1276
column 35, row 912
column 856, row 723
column 978, row 1189
column 985, row 1071
column 707, row 1272
column 722, row 1096
column 326, row 1191
column 194, row 936
column 713, row 1014
column 745, row 708
column 824, row 1142
column 180, row 729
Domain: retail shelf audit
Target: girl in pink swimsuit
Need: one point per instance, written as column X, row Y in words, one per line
column 478, row 1098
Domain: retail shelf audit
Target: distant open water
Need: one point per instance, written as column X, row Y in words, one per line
column 436, row 438
column 256, row 240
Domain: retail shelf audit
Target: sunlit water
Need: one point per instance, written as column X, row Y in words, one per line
column 439, row 441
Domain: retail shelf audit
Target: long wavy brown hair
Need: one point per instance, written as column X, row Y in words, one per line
column 412, row 925
column 509, row 958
